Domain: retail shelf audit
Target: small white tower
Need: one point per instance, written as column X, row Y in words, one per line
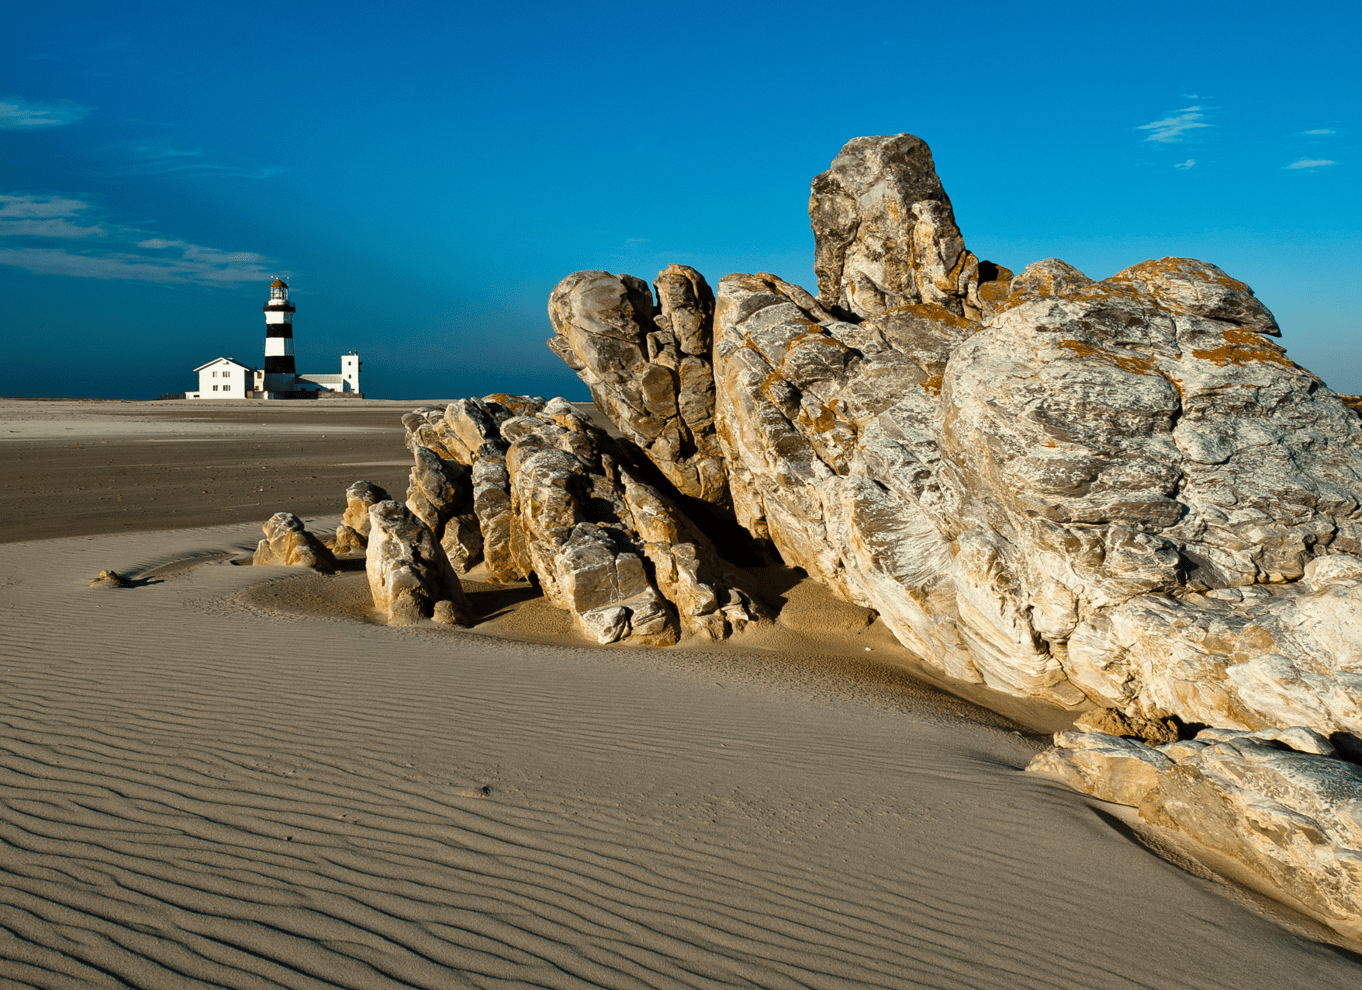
column 350, row 365
column 279, row 367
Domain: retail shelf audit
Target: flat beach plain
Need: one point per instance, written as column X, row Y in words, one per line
column 229, row 776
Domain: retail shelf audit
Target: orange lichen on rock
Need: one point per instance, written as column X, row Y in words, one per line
column 1136, row 364
column 933, row 311
column 1243, row 347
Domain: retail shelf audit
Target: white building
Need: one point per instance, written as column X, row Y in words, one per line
column 223, row 378
column 347, row 381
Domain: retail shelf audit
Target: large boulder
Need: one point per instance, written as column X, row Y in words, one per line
column 1277, row 801
column 885, row 233
column 648, row 366
column 288, row 542
column 606, row 545
column 410, row 577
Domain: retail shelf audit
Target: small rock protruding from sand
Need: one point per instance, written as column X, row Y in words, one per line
column 1154, row 729
column 348, row 541
column 110, row 579
column 288, row 542
column 410, row 576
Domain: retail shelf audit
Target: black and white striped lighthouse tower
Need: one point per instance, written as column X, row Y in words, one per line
column 279, row 369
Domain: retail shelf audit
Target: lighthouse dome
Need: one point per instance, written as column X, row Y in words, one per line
column 278, row 283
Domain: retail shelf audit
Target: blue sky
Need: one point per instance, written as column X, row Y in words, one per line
column 424, row 173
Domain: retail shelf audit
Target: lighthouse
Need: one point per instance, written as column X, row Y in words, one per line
column 279, row 369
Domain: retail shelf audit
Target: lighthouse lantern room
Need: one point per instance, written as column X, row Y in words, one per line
column 279, row 367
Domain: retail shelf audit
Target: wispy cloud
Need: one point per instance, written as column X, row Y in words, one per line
column 39, row 206
column 1312, row 163
column 18, row 114
column 1170, row 130
column 54, row 261
column 123, row 252
column 1320, row 131
column 1189, row 163
column 159, row 158
column 45, row 216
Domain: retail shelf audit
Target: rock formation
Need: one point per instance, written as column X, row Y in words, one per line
column 352, row 535
column 468, row 432
column 410, row 577
column 1277, row 801
column 288, row 542
column 1118, row 495
column 439, row 489
column 648, row 366
column 360, row 497
column 885, row 232
column 608, row 546
column 110, row 579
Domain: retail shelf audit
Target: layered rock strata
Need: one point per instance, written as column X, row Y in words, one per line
column 288, row 542
column 410, row 576
column 648, row 366
column 468, row 432
column 1276, row 801
column 606, row 545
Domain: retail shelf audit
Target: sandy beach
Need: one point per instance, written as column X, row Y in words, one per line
column 233, row 776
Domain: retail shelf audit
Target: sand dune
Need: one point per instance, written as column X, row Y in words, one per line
column 226, row 776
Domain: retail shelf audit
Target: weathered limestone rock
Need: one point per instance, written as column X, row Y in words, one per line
column 409, row 575
column 469, row 432
column 462, row 542
column 288, row 542
column 1040, row 504
column 348, row 541
column 1136, row 466
column 1277, row 801
column 648, row 367
column 885, row 234
column 360, row 497
column 439, row 489
column 606, row 545
column 110, row 579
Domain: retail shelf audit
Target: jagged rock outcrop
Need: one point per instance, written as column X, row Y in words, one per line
column 1277, row 801
column 1107, row 494
column 439, row 489
column 885, row 234
column 410, row 577
column 110, row 579
column 606, row 545
column 469, row 432
column 288, row 542
column 1043, row 504
column 648, row 366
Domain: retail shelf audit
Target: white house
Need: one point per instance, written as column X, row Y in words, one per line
column 223, row 378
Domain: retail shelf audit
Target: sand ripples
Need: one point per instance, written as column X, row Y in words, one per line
column 197, row 794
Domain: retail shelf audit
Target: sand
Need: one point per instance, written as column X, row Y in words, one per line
column 232, row 776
